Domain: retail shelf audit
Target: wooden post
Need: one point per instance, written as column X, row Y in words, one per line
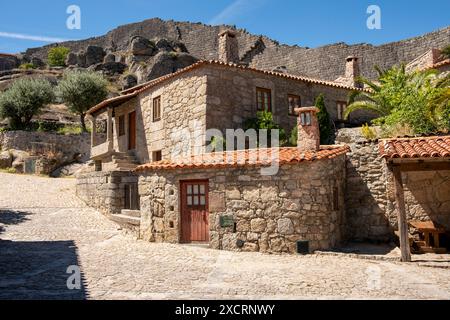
column 401, row 214
column 109, row 130
column 94, row 131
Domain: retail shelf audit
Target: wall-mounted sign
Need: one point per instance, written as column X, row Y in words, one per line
column 226, row 221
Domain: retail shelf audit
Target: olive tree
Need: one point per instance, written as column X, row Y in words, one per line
column 23, row 100
column 80, row 91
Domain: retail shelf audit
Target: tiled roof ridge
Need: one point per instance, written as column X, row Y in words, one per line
column 251, row 157
column 244, row 67
column 129, row 93
column 419, row 147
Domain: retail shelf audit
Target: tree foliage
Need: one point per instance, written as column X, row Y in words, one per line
column 323, row 118
column 418, row 100
column 24, row 100
column 264, row 120
column 80, row 91
column 57, row 56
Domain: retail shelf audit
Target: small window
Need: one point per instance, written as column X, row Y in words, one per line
column 341, row 107
column 293, row 103
column 157, row 156
column 264, row 99
column 157, row 109
column 305, row 118
column 121, row 125
column 336, row 199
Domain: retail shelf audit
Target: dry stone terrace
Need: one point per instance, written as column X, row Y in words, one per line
column 44, row 228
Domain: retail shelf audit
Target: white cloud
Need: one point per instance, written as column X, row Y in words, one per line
column 235, row 9
column 29, row 37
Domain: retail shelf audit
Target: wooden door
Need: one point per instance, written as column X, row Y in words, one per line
column 194, row 211
column 132, row 131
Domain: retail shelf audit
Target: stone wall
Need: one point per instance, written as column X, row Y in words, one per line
column 327, row 62
column 231, row 98
column 104, row 191
column 69, row 145
column 369, row 196
column 366, row 195
column 271, row 212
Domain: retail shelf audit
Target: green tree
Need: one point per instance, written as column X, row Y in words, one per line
column 80, row 91
column 264, row 120
column 24, row 100
column 419, row 100
column 324, row 120
column 57, row 56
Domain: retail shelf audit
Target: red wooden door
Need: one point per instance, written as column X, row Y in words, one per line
column 194, row 211
column 132, row 131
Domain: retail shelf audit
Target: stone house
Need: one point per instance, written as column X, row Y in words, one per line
column 155, row 175
column 151, row 119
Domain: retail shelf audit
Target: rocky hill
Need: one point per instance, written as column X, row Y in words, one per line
column 325, row 62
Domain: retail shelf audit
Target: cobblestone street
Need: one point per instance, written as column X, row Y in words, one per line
column 44, row 229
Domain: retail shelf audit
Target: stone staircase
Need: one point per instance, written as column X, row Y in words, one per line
column 124, row 161
column 129, row 220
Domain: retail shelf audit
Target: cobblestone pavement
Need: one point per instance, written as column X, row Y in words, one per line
column 44, row 229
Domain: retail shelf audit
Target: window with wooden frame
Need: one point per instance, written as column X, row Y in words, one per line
column 264, row 99
column 121, row 125
column 157, row 155
column 341, row 107
column 294, row 102
column 157, row 109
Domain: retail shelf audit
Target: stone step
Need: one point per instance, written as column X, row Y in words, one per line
column 131, row 213
column 125, row 219
column 122, row 161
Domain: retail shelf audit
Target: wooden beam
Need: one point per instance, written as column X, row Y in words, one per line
column 425, row 166
column 401, row 214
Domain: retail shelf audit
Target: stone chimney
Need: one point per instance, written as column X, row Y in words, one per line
column 308, row 129
column 228, row 47
column 352, row 70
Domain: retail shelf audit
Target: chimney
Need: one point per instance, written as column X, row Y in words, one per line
column 308, row 129
column 352, row 70
column 228, row 47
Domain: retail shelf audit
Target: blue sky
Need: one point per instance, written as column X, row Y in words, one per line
column 306, row 23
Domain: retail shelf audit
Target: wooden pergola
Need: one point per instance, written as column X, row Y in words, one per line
column 412, row 155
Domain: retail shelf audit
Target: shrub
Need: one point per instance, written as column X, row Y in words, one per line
column 368, row 132
column 27, row 66
column 24, row 100
column 57, row 56
column 264, row 120
column 80, row 91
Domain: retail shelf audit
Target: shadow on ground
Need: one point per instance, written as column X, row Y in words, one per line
column 38, row 271
column 12, row 217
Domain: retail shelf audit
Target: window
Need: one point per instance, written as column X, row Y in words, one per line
column 121, row 125
column 264, row 99
column 336, row 199
column 305, row 118
column 293, row 103
column 341, row 106
column 196, row 195
column 157, row 109
column 157, row 156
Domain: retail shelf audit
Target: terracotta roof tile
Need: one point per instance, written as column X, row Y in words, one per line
column 246, row 158
column 132, row 92
column 425, row 147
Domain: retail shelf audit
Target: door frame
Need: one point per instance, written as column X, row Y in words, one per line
column 182, row 184
column 129, row 131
